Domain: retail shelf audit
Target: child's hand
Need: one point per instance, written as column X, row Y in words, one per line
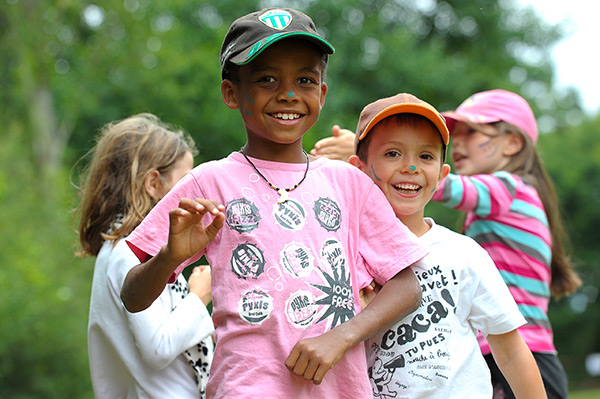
column 187, row 233
column 199, row 283
column 339, row 146
column 312, row 358
column 367, row 294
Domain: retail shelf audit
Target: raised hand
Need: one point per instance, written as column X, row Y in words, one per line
column 339, row 146
column 187, row 232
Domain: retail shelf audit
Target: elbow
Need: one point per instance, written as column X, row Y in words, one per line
column 416, row 294
column 156, row 359
column 132, row 306
column 129, row 301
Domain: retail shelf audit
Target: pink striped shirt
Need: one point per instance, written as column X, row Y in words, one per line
column 512, row 226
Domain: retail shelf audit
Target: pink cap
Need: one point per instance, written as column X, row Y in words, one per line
column 494, row 106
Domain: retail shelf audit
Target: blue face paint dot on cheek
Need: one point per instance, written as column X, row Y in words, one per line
column 290, row 94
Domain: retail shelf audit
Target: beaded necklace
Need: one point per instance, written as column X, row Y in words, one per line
column 283, row 192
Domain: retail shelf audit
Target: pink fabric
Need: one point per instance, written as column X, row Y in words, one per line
column 284, row 273
column 494, row 106
column 506, row 217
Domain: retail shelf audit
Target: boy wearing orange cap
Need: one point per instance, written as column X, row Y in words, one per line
column 433, row 352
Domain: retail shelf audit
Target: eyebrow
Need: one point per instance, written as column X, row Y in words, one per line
column 430, row 147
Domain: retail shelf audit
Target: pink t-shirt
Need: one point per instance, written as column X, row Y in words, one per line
column 285, row 272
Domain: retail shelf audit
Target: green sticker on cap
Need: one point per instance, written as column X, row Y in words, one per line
column 276, row 19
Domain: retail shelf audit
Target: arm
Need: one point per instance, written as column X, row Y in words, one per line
column 517, row 365
column 339, row 146
column 474, row 193
column 162, row 333
column 312, row 358
column 187, row 236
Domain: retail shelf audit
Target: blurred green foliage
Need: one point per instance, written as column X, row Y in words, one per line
column 69, row 67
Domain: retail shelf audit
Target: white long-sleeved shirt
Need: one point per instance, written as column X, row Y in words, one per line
column 141, row 355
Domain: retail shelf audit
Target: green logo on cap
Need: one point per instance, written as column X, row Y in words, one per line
column 276, row 19
column 260, row 44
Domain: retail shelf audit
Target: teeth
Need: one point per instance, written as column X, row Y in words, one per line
column 287, row 116
column 407, row 187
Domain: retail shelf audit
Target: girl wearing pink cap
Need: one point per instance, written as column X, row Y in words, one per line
column 512, row 212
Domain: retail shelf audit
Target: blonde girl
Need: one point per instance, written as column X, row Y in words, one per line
column 166, row 350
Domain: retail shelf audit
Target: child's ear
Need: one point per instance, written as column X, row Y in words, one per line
column 443, row 173
column 514, row 144
column 356, row 161
column 323, row 93
column 229, row 94
column 152, row 185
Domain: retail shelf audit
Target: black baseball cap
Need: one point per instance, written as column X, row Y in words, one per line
column 249, row 35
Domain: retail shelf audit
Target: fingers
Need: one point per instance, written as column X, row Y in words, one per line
column 307, row 363
column 301, row 366
column 310, row 370
column 199, row 283
column 320, row 374
column 344, row 132
column 213, row 228
column 190, row 212
column 202, row 270
column 292, row 358
column 339, row 146
column 335, row 130
column 197, row 208
column 201, row 205
column 187, row 232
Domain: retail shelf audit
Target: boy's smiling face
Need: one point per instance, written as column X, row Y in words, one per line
column 279, row 94
column 405, row 161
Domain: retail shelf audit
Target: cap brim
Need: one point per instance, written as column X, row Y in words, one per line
column 245, row 56
column 410, row 108
column 452, row 117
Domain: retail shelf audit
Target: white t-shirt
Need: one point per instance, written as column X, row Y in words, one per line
column 285, row 272
column 433, row 352
column 141, row 355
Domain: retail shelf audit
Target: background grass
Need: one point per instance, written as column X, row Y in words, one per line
column 587, row 394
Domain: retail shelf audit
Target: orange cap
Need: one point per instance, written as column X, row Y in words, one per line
column 402, row 103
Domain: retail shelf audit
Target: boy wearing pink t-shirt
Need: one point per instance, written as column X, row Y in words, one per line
column 291, row 240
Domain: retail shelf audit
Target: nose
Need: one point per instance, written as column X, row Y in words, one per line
column 457, row 141
column 286, row 92
column 409, row 166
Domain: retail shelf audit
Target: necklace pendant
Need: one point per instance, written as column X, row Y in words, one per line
column 283, row 195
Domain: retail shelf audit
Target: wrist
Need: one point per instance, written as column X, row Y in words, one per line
column 346, row 334
column 206, row 298
column 166, row 258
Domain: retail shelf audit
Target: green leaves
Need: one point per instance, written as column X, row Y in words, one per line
column 98, row 62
